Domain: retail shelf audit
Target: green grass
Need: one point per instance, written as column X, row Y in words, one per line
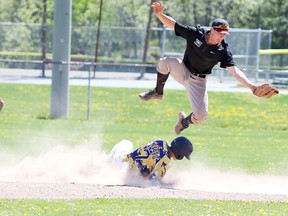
column 246, row 132
column 139, row 207
column 243, row 133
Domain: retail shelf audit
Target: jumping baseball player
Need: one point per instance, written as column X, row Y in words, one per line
column 205, row 48
column 153, row 160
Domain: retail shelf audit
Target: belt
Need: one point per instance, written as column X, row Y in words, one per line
column 199, row 75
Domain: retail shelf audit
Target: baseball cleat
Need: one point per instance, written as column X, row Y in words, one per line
column 179, row 127
column 152, row 94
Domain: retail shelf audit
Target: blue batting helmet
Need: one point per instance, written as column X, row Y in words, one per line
column 182, row 147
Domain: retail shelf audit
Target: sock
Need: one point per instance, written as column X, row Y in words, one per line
column 186, row 121
column 161, row 80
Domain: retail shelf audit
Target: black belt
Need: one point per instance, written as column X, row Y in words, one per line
column 199, row 75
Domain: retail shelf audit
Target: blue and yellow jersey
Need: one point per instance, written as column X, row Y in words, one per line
column 152, row 160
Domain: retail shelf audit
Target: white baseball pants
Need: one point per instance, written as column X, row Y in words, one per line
column 195, row 86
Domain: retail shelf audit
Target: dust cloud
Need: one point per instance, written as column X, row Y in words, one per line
column 89, row 164
column 203, row 178
column 81, row 164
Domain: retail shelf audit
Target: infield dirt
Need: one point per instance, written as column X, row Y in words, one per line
column 82, row 172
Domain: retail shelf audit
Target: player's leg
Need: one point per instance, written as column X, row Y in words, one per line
column 196, row 88
column 157, row 92
column 118, row 151
column 198, row 97
column 164, row 67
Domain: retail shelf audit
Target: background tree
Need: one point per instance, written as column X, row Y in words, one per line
column 272, row 14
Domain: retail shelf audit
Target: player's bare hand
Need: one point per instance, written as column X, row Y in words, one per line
column 158, row 8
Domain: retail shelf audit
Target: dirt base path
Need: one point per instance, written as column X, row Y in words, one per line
column 83, row 191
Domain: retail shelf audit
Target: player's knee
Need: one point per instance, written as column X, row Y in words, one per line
column 163, row 65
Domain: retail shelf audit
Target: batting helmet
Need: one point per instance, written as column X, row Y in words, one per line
column 182, row 147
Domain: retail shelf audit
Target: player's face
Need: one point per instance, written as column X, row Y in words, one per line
column 173, row 156
column 216, row 36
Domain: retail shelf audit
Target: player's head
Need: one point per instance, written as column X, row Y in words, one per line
column 181, row 147
column 220, row 26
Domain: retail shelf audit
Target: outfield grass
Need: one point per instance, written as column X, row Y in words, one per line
column 243, row 132
column 141, row 207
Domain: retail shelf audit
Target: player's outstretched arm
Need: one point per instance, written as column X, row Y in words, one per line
column 241, row 77
column 159, row 12
column 264, row 90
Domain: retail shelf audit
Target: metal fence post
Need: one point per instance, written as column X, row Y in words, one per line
column 269, row 56
column 247, row 50
column 43, row 37
column 89, row 92
column 163, row 39
column 61, row 52
column 258, row 54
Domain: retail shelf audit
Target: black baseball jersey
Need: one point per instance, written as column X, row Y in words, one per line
column 199, row 57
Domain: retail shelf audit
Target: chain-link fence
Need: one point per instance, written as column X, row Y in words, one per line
column 123, row 45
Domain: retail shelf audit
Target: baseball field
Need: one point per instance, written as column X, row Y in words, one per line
column 60, row 167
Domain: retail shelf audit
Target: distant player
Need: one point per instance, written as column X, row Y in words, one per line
column 204, row 49
column 152, row 160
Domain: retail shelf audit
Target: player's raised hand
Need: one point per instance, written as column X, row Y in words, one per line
column 158, row 8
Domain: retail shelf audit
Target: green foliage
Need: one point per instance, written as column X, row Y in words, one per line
column 85, row 13
column 117, row 44
column 25, row 11
column 241, row 14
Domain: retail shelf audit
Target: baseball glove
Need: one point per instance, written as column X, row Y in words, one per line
column 265, row 91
